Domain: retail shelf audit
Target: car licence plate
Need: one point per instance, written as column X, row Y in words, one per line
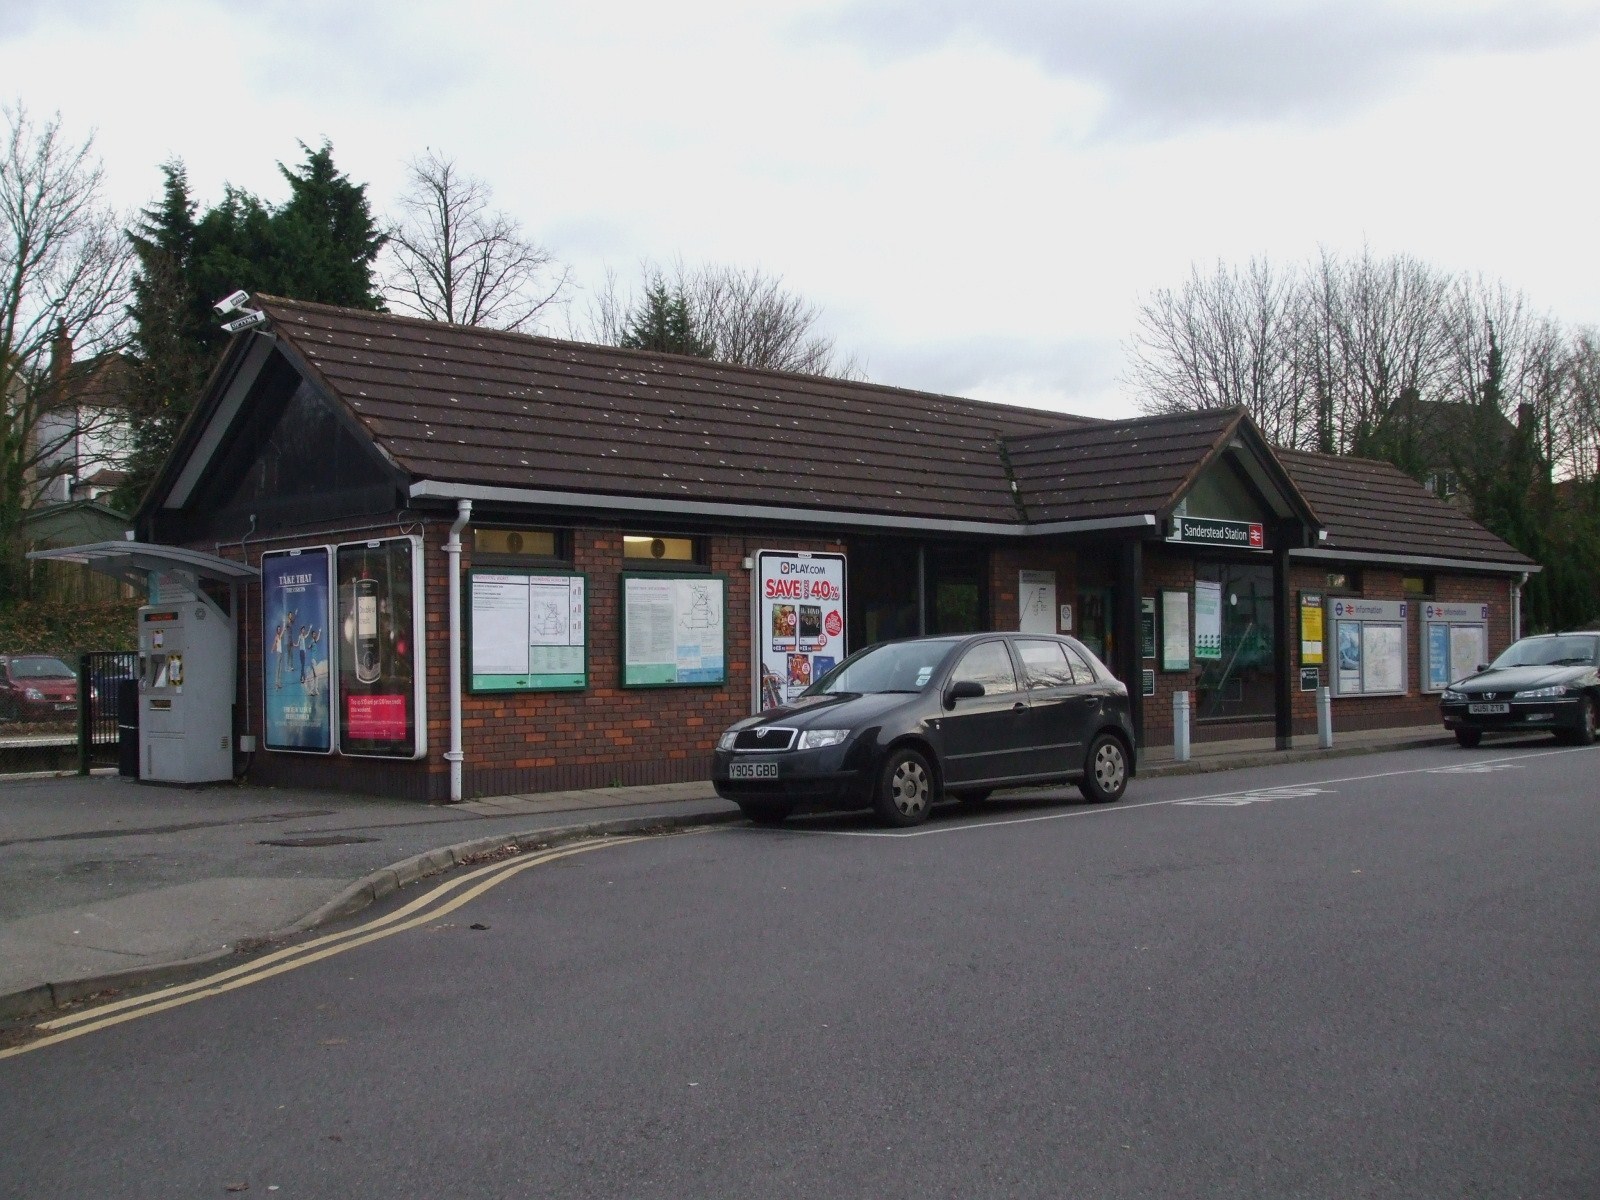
column 65, row 707
column 753, row 770
column 1488, row 710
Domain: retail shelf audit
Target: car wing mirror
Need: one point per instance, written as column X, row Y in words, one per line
column 962, row 689
column 1483, row 666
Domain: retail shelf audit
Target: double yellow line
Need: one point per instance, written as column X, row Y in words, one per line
column 421, row 911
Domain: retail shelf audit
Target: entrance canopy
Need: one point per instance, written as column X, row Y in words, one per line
column 135, row 562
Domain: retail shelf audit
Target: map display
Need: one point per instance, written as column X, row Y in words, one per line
column 529, row 631
column 674, row 630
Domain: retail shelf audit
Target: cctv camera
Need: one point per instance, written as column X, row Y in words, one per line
column 231, row 304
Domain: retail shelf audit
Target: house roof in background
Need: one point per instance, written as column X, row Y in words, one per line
column 1372, row 507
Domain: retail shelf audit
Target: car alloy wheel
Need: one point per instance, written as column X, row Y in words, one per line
column 905, row 788
column 1105, row 775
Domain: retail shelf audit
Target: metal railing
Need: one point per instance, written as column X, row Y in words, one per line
column 108, row 707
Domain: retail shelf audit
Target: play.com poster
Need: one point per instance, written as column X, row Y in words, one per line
column 296, row 673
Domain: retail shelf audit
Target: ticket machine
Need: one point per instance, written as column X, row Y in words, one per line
column 187, row 649
column 186, row 690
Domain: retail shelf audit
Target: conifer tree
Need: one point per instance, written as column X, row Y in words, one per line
column 662, row 322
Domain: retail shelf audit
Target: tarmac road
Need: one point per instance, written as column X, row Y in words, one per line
column 1366, row 977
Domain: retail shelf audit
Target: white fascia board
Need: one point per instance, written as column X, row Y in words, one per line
column 1416, row 560
column 429, row 489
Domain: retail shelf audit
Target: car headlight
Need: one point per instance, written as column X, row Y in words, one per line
column 725, row 742
column 1544, row 693
column 816, row 739
column 33, row 693
column 1453, row 695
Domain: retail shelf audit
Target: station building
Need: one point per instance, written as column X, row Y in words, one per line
column 463, row 562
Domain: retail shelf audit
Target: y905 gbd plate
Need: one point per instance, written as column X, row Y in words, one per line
column 753, row 770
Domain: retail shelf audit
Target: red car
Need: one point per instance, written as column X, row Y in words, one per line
column 36, row 687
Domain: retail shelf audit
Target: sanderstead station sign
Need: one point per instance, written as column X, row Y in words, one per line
column 1206, row 531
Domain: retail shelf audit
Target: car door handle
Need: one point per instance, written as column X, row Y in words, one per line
column 1019, row 706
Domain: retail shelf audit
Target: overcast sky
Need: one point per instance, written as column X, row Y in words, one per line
column 978, row 194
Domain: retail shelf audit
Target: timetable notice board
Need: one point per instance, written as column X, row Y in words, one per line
column 529, row 631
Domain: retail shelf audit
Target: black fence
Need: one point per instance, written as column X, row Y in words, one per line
column 103, row 732
column 108, row 710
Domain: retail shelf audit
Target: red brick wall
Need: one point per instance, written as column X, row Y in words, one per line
column 607, row 734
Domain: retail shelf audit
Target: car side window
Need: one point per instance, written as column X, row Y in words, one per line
column 1080, row 666
column 1044, row 664
column 988, row 664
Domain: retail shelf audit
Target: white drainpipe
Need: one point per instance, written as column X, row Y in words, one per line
column 1516, row 606
column 452, row 550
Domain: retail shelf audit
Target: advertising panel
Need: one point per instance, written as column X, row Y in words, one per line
column 528, row 631
column 1311, row 626
column 1370, row 645
column 380, row 618
column 799, row 621
column 1207, row 620
column 1036, row 601
column 673, row 630
column 1174, row 631
column 296, row 668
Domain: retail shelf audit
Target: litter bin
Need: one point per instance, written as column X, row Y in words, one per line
column 128, row 728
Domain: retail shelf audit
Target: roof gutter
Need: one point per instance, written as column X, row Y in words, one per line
column 1410, row 560
column 431, row 489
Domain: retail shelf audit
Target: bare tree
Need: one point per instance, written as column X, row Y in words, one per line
column 745, row 316
column 450, row 257
column 1222, row 341
column 64, row 275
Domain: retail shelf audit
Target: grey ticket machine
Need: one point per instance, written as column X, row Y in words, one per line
column 186, row 690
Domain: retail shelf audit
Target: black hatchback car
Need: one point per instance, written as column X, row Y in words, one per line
column 900, row 725
column 1550, row 681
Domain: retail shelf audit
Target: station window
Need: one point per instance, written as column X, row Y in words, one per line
column 496, row 544
column 1418, row 585
column 644, row 549
column 1346, row 580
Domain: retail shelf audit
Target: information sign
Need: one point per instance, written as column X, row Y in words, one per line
column 674, row 630
column 1370, row 646
column 1311, row 629
column 528, row 631
column 1210, row 531
column 1455, row 642
column 1147, row 626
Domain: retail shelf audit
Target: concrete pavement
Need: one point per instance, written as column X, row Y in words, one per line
column 108, row 884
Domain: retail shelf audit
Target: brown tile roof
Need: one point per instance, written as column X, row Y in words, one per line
column 465, row 405
column 1116, row 468
column 1375, row 508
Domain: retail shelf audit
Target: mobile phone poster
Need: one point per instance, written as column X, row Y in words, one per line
column 381, row 697
column 799, row 621
column 296, row 652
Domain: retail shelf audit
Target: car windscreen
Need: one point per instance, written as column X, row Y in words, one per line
column 890, row 667
column 41, row 668
column 1550, row 652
